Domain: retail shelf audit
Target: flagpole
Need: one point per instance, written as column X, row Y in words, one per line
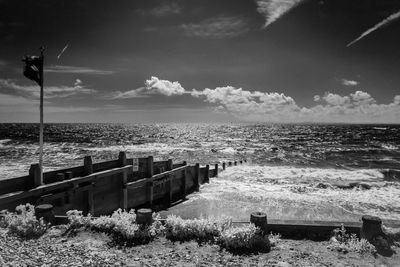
column 41, row 118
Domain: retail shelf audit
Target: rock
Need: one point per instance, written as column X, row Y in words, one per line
column 283, row 264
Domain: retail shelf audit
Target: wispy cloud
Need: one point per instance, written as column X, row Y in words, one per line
column 217, row 27
column 162, row 10
column 152, row 86
column 272, row 10
column 166, row 9
column 384, row 22
column 77, row 70
column 346, row 82
column 32, row 91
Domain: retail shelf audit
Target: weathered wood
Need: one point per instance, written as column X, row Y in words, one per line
column 184, row 187
column 106, row 165
column 197, row 178
column 184, row 163
column 216, row 170
column 60, row 177
column 34, row 173
column 259, row 219
column 150, row 169
column 170, row 165
column 207, row 174
column 88, row 164
column 144, row 216
column 149, row 193
column 229, row 163
column 122, row 158
column 169, row 193
column 68, row 175
column 45, row 211
column 223, row 166
column 235, row 163
column 371, row 227
column 124, row 192
column 90, row 201
column 240, row 161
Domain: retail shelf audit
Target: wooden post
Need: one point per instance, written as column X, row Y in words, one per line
column 216, row 170
column 197, row 177
column 45, row 211
column 169, row 165
column 229, row 163
column 90, row 203
column 88, row 164
column 60, row 177
column 169, row 189
column 260, row 220
column 68, row 175
column 150, row 169
column 124, row 191
column 223, row 166
column 245, row 160
column 207, row 174
column 241, row 162
column 184, row 183
column 122, row 158
column 144, row 216
column 184, row 163
column 235, row 163
column 34, row 173
column 372, row 227
column 149, row 193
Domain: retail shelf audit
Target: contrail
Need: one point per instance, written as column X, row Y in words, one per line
column 384, row 22
column 272, row 10
column 62, row 51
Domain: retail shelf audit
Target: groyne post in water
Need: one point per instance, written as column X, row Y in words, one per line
column 223, row 166
column 216, row 170
column 34, row 173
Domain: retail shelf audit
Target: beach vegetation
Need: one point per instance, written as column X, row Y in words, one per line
column 23, row 222
column 344, row 242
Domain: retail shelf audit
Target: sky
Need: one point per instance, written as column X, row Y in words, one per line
column 130, row 61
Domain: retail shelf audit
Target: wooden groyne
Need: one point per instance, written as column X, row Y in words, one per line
column 101, row 188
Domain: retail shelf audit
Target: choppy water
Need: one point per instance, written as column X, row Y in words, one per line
column 294, row 167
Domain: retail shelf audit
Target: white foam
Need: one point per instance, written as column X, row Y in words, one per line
column 291, row 193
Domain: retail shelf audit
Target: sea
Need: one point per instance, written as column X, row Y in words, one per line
column 294, row 171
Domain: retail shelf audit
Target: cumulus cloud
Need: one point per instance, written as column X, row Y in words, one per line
column 32, row 91
column 217, row 27
column 346, row 82
column 357, row 107
column 248, row 105
column 152, row 86
column 272, row 10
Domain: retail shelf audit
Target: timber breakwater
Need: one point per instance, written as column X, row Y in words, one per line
column 101, row 188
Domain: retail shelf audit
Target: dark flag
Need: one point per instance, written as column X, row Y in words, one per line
column 33, row 68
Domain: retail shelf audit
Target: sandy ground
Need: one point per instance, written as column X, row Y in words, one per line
column 94, row 249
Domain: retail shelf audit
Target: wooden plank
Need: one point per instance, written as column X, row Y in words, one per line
column 45, row 189
column 50, row 177
column 106, row 165
column 15, row 184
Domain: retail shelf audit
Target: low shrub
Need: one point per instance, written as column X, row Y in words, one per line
column 121, row 225
column 274, row 239
column 201, row 230
column 246, row 238
column 343, row 242
column 23, row 222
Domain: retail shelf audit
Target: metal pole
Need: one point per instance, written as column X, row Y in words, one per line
column 41, row 118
